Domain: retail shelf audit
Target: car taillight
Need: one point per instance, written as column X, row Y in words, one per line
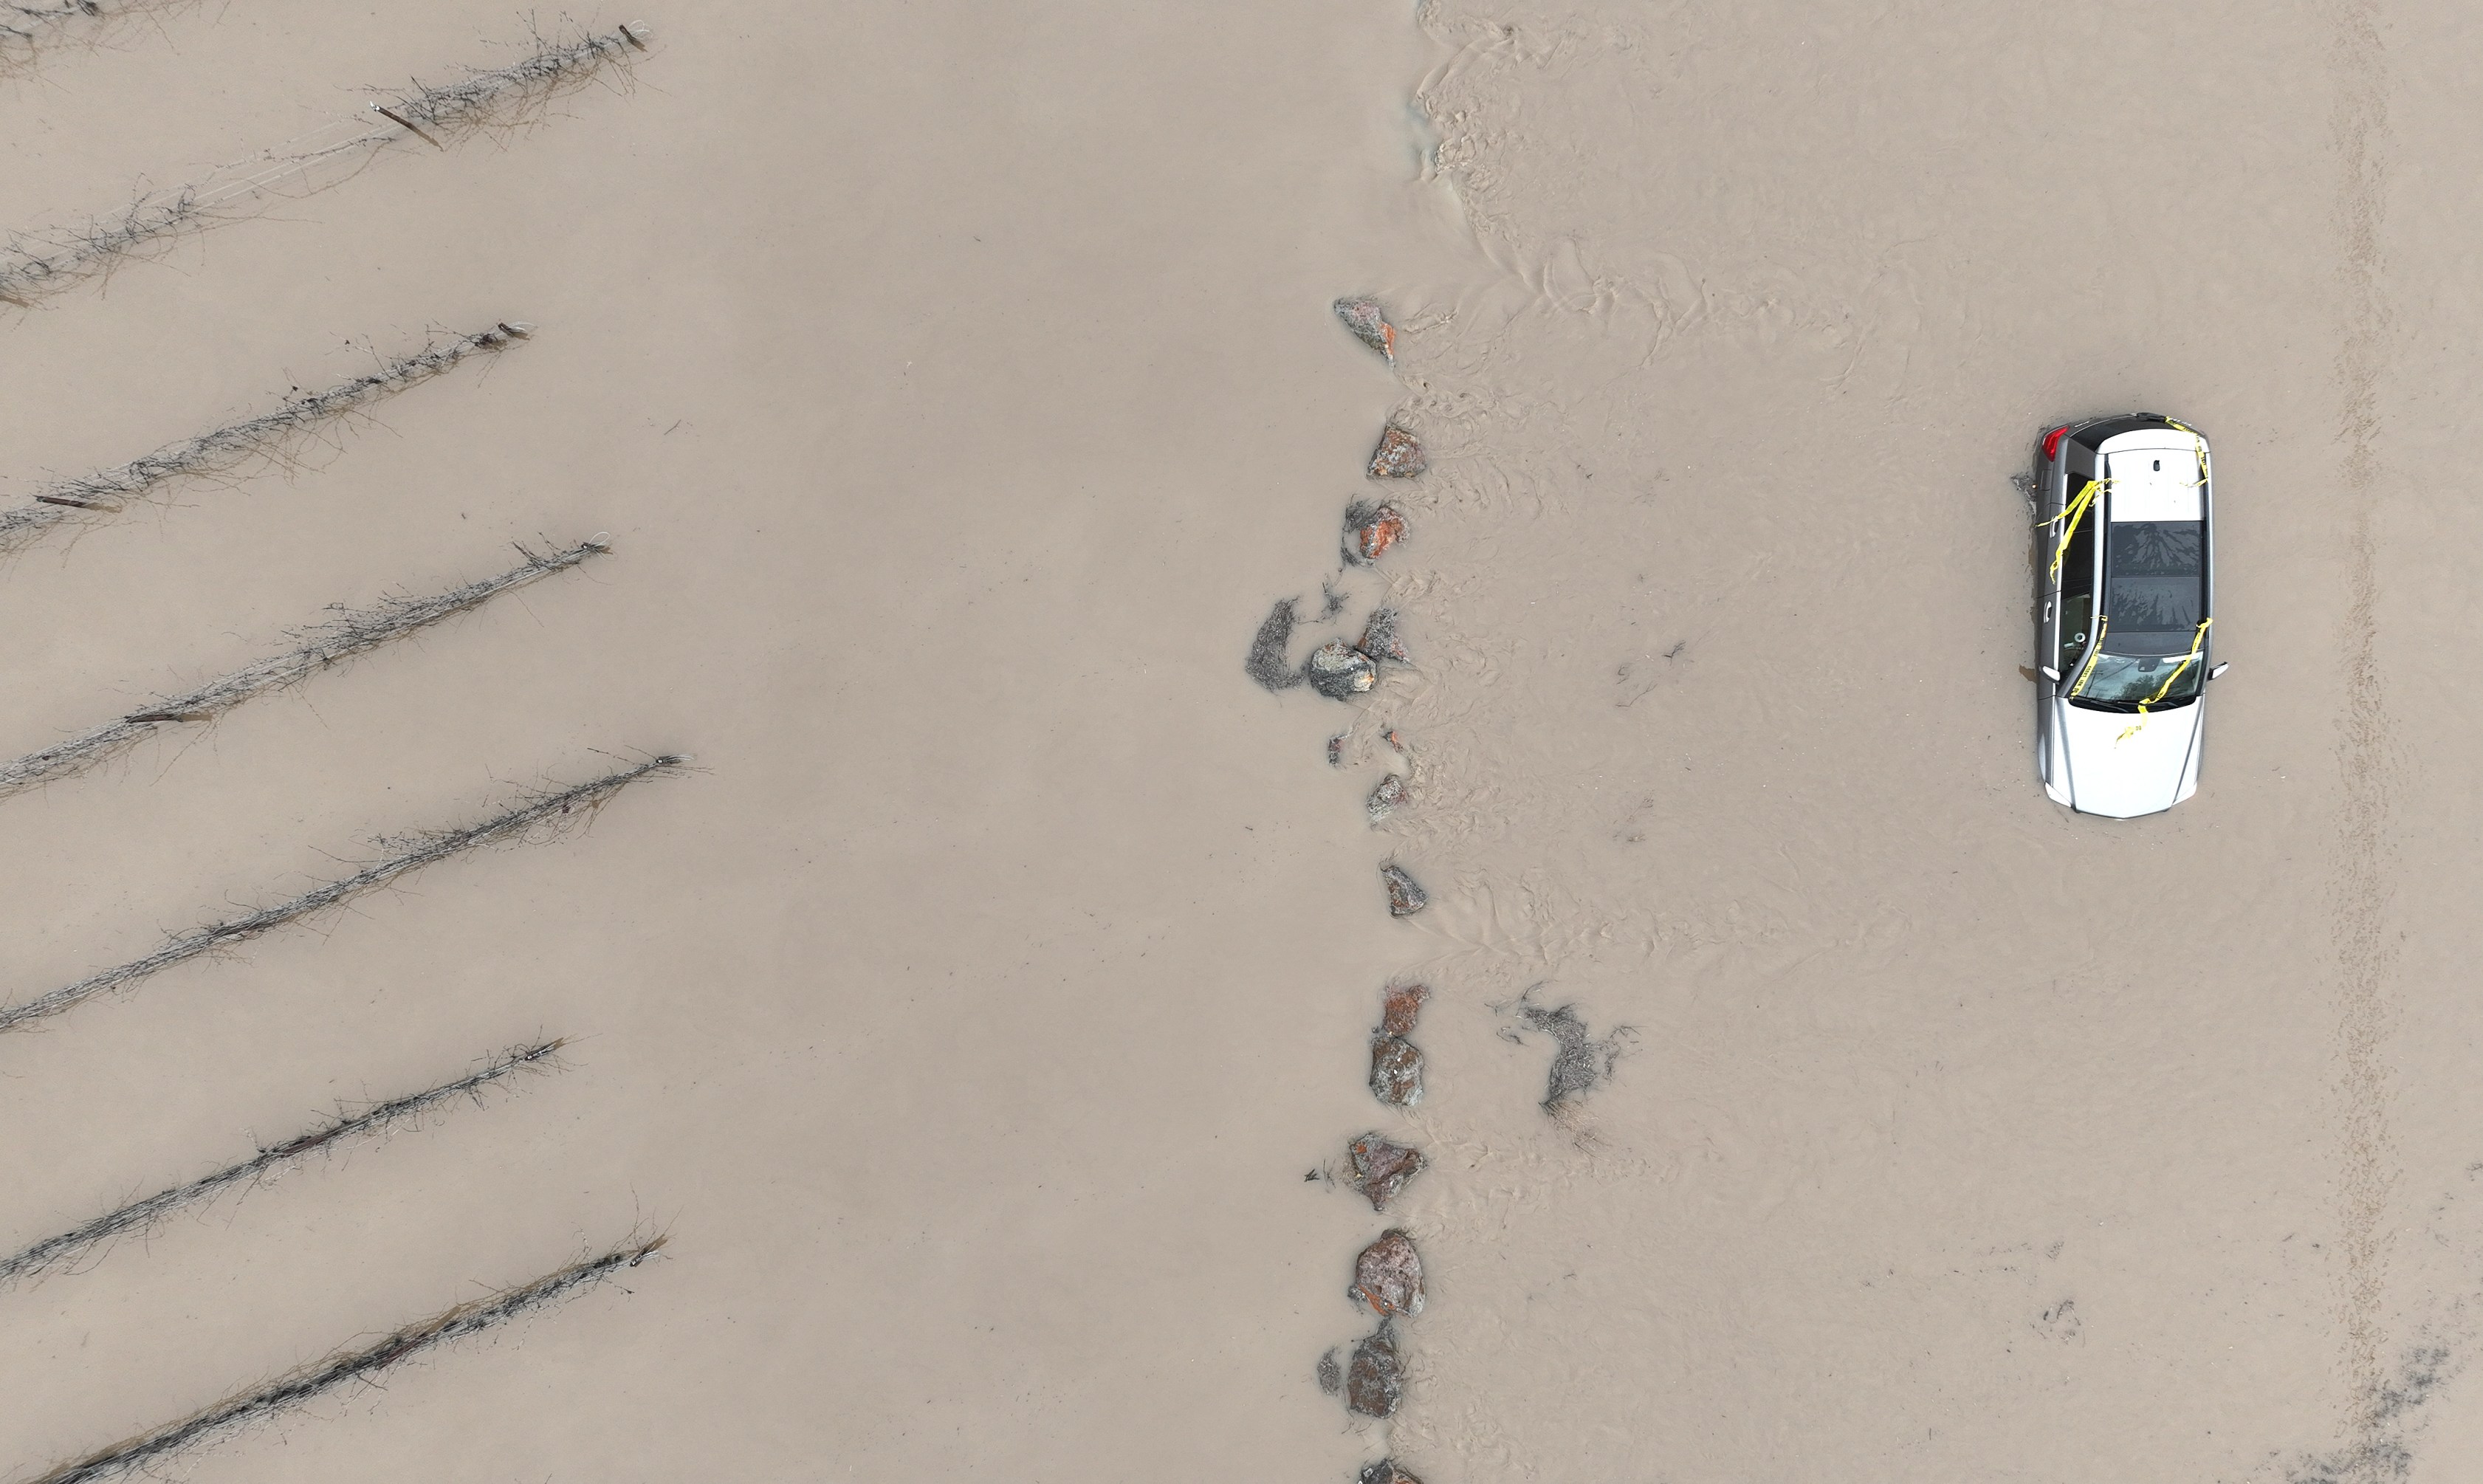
column 2052, row 444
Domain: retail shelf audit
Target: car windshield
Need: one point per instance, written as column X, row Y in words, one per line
column 2120, row 681
column 2155, row 586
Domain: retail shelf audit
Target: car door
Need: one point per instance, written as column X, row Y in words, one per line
column 2070, row 569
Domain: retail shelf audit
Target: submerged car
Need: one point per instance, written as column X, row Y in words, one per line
column 2125, row 508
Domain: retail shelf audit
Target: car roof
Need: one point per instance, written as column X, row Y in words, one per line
column 2155, row 474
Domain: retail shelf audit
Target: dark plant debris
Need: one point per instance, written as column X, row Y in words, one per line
column 1580, row 1060
column 1266, row 663
column 1381, row 641
column 2385, row 1450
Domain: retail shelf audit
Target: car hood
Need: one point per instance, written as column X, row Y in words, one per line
column 2120, row 773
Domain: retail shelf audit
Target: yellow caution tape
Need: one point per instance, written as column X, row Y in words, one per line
column 2196, row 641
column 2201, row 448
column 2086, row 671
column 2073, row 512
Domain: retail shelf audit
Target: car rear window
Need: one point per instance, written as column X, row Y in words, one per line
column 2095, row 434
column 2154, row 585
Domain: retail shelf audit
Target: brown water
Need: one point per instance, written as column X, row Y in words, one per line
column 958, row 388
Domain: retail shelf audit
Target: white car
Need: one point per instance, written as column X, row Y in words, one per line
column 2124, row 509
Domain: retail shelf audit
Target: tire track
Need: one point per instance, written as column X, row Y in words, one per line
column 2361, row 889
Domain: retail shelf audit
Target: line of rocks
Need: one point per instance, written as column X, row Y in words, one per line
column 1387, row 1283
column 1388, row 1273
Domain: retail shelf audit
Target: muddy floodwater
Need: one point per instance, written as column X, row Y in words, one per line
column 1107, row 676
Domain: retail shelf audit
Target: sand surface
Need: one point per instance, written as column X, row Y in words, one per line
column 957, row 387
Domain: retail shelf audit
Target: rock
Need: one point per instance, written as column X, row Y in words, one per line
column 1266, row 663
column 1396, row 1070
column 1381, row 1168
column 1375, row 1380
column 1398, row 456
column 1388, row 1276
column 1399, row 1005
column 1370, row 530
column 1405, row 895
column 1336, row 750
column 1331, row 1375
column 1362, row 315
column 1386, row 1471
column 1397, row 1063
column 1340, row 670
column 1386, row 798
column 1380, row 640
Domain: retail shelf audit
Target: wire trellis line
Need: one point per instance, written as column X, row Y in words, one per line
column 29, row 27
column 143, row 1215
column 347, row 1368
column 318, row 649
column 33, row 264
column 413, row 855
column 235, row 445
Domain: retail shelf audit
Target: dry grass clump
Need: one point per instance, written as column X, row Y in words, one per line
column 500, row 96
column 346, row 1368
column 31, row 23
column 142, row 1216
column 413, row 853
column 33, row 264
column 28, row 30
column 317, row 648
column 226, row 450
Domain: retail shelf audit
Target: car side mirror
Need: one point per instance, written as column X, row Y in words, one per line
column 2050, row 674
column 2220, row 670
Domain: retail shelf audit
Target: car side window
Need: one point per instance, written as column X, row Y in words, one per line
column 2077, row 579
column 2077, row 562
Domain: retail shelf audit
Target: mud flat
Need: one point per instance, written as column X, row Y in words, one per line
column 958, row 393
column 1956, row 1137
